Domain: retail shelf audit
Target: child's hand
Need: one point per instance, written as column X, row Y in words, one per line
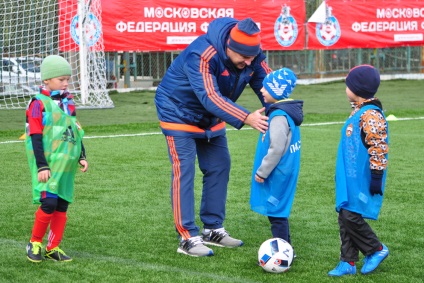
column 258, row 179
column 84, row 165
column 44, row 176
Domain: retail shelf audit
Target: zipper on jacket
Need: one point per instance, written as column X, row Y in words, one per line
column 235, row 86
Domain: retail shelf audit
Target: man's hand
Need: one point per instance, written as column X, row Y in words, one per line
column 257, row 121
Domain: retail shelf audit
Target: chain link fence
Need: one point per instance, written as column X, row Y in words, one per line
column 145, row 69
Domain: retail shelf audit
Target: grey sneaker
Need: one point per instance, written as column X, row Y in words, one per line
column 220, row 237
column 194, row 246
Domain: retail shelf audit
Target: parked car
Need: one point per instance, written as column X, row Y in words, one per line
column 14, row 70
column 17, row 90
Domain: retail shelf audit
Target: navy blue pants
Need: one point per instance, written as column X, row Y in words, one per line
column 214, row 162
column 280, row 228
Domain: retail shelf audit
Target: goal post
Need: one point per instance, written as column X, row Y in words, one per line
column 30, row 30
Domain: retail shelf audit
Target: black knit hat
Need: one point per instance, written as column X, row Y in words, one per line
column 363, row 81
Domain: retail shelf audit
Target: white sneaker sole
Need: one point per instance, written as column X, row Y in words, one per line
column 221, row 245
column 181, row 251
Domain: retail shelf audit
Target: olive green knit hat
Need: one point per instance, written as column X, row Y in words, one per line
column 54, row 66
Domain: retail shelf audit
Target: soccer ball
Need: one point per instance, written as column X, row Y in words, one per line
column 275, row 255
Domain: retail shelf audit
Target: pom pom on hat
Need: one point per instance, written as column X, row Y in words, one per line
column 244, row 38
column 280, row 84
column 363, row 81
column 54, row 66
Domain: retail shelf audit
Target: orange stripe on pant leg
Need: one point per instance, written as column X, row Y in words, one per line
column 176, row 186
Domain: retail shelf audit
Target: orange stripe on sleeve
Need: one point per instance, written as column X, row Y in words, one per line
column 224, row 105
column 266, row 67
column 210, row 90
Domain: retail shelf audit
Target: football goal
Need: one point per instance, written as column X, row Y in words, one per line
column 30, row 30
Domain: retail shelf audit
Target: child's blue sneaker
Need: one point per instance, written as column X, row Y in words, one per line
column 371, row 262
column 343, row 268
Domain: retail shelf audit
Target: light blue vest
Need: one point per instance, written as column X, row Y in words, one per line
column 275, row 196
column 353, row 174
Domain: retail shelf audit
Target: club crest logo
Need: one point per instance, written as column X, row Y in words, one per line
column 349, row 130
column 285, row 28
column 329, row 32
column 93, row 29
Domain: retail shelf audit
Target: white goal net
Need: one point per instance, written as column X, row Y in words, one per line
column 30, row 30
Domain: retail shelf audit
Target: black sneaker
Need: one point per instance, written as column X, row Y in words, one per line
column 220, row 237
column 34, row 251
column 57, row 254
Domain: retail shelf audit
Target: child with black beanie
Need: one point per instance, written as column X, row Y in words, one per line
column 361, row 169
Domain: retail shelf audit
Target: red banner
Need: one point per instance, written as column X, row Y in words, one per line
column 69, row 27
column 171, row 25
column 68, row 9
column 367, row 24
column 168, row 25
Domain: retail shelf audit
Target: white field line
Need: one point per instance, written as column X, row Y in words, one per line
column 230, row 129
column 137, row 264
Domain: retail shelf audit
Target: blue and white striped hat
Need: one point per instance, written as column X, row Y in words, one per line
column 280, row 84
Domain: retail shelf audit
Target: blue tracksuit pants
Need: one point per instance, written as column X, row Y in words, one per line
column 214, row 162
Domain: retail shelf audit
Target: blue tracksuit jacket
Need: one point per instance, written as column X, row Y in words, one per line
column 201, row 85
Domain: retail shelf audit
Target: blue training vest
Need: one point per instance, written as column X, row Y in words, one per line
column 274, row 197
column 353, row 174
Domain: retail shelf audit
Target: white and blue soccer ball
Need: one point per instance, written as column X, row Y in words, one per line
column 275, row 255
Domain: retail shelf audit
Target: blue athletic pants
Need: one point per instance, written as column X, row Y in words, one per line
column 214, row 162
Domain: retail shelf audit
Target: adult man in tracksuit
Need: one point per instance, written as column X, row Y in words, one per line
column 194, row 100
